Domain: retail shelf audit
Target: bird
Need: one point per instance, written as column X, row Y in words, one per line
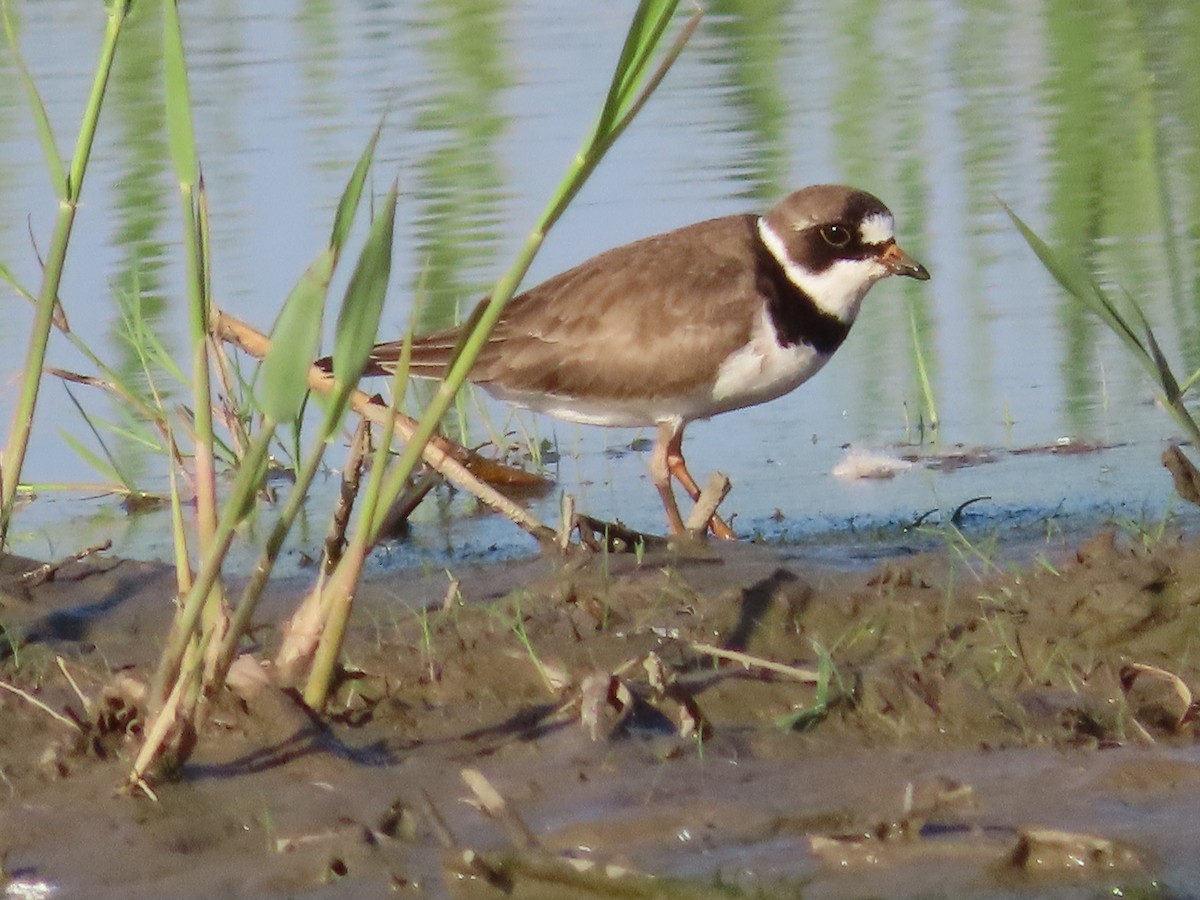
column 688, row 324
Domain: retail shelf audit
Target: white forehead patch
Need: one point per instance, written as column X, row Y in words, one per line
column 877, row 228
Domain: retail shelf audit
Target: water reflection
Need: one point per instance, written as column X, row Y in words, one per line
column 1110, row 197
column 748, row 51
column 459, row 180
column 1083, row 117
column 140, row 208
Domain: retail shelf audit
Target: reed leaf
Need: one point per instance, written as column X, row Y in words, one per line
column 1128, row 324
column 358, row 318
column 1076, row 282
column 196, row 248
column 352, row 194
column 93, row 459
column 1190, row 382
column 117, row 11
column 338, row 594
column 183, row 628
column 180, row 133
column 650, row 20
column 6, row 274
column 283, row 379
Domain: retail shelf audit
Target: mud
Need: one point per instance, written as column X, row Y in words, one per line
column 943, row 725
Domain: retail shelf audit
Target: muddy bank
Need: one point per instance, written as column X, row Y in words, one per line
column 944, row 725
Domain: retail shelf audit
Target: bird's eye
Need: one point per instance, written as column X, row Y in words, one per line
column 835, row 235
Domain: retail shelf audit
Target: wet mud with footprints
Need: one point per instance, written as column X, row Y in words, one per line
column 728, row 723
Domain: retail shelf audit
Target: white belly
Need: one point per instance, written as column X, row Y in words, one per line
column 762, row 371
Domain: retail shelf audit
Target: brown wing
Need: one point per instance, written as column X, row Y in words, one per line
column 661, row 313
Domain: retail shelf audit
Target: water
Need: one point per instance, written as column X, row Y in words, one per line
column 1084, row 119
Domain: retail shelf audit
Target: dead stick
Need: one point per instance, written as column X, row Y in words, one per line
column 497, row 807
column 597, row 534
column 715, row 491
column 48, row 571
column 335, row 541
column 809, row 676
column 443, row 455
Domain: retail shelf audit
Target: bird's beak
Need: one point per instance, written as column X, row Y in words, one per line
column 900, row 263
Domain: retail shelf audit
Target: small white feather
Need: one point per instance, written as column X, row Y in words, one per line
column 859, row 465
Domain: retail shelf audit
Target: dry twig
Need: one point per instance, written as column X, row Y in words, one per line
column 454, row 462
column 808, row 676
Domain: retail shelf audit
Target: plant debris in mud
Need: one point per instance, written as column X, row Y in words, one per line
column 562, row 680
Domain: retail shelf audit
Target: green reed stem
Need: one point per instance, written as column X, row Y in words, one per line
column 213, row 536
column 265, row 564
column 182, row 141
column 623, row 102
column 339, row 592
column 295, row 338
column 68, row 190
column 927, row 396
column 241, row 496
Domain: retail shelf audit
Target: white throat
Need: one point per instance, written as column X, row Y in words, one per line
column 839, row 290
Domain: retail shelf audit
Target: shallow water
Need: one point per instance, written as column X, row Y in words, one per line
column 1083, row 119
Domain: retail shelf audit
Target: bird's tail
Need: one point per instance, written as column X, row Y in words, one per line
column 431, row 356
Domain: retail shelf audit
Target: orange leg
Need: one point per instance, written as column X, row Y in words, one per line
column 668, row 462
column 660, row 473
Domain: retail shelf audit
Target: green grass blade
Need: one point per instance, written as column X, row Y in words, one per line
column 137, row 435
column 109, row 466
column 1077, row 283
column 1082, row 287
column 585, row 162
column 1165, row 376
column 375, row 501
column 814, row 714
column 54, row 160
column 1172, row 392
column 240, row 498
column 151, row 351
column 1162, row 368
column 632, row 104
column 240, row 620
column 6, row 274
column 1190, row 382
column 197, row 247
column 47, row 308
column 923, row 373
column 92, row 459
